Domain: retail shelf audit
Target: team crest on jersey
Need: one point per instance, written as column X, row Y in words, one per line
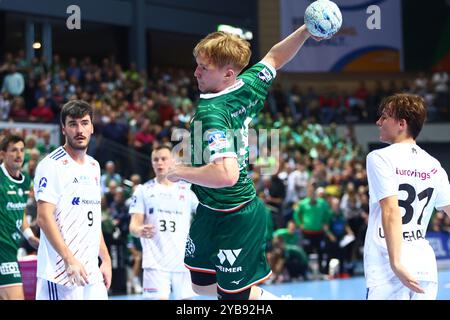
column 65, row 162
column 190, row 248
column 151, row 210
column 217, row 140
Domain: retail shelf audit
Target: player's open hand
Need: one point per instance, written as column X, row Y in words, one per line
column 172, row 175
column 106, row 270
column 147, row 231
column 76, row 272
column 407, row 279
column 318, row 38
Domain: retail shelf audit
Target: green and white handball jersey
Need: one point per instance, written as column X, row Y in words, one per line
column 220, row 128
column 13, row 200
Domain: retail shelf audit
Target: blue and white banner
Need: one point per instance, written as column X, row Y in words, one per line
column 440, row 242
column 370, row 38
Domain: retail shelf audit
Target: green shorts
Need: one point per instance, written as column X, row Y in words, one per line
column 230, row 245
column 9, row 268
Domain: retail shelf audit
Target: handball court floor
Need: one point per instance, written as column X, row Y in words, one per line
column 338, row 289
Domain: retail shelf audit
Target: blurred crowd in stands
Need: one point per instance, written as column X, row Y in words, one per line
column 316, row 193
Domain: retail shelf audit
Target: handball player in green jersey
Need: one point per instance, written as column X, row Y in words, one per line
column 225, row 251
column 14, row 191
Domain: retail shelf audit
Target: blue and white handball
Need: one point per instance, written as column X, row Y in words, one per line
column 323, row 18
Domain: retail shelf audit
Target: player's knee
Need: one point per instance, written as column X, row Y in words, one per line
column 243, row 295
column 204, row 283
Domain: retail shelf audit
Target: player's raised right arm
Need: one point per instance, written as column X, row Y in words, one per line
column 283, row 52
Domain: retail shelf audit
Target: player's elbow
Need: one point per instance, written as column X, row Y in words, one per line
column 228, row 170
column 230, row 177
column 230, row 180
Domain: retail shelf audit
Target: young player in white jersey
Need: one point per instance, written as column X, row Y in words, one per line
column 405, row 185
column 161, row 216
column 67, row 188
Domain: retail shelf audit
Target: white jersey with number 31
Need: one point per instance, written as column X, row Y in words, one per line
column 421, row 184
column 75, row 191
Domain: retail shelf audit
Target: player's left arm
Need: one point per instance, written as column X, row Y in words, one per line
column 392, row 226
column 105, row 267
column 28, row 233
column 220, row 173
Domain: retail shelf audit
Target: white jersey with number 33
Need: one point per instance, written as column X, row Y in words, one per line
column 169, row 209
column 75, row 191
column 421, row 184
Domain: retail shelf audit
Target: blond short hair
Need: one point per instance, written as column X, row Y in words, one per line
column 224, row 48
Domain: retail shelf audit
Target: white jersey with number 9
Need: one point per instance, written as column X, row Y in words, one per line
column 75, row 191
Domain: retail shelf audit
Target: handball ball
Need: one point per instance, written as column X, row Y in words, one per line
column 323, row 18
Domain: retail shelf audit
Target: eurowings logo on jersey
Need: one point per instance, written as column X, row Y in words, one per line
column 265, row 75
column 414, row 173
column 217, row 140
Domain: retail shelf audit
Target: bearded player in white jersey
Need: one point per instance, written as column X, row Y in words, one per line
column 67, row 188
column 405, row 185
column 161, row 216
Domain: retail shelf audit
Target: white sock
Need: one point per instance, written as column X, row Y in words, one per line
column 266, row 295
